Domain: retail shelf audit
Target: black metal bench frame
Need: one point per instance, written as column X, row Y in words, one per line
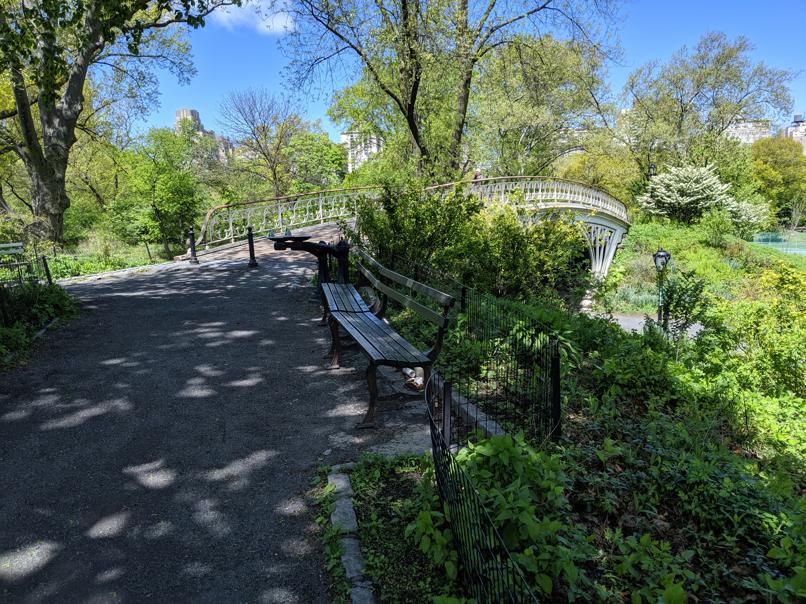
column 382, row 345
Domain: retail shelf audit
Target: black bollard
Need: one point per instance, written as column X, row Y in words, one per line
column 192, row 237
column 251, row 239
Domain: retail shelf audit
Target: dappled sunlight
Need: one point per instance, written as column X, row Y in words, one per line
column 293, row 506
column 152, row 475
column 26, row 560
column 236, row 473
column 73, row 420
column 109, row 526
column 109, row 575
column 173, row 435
column 208, row 515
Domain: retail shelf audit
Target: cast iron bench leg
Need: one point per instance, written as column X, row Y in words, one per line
column 335, row 343
column 372, row 382
column 323, row 320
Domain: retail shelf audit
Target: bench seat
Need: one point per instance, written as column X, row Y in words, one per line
column 382, row 344
column 342, row 297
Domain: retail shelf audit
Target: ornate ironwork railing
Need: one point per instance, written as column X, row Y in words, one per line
column 228, row 223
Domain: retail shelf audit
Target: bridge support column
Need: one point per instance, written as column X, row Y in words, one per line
column 603, row 240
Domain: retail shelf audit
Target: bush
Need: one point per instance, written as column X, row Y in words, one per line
column 504, row 254
column 684, row 194
column 26, row 309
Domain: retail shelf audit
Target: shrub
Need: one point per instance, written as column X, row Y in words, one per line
column 684, row 194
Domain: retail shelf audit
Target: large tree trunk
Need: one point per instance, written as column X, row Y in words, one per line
column 460, row 117
column 49, row 196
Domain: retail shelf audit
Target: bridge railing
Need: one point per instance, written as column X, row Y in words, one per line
column 228, row 223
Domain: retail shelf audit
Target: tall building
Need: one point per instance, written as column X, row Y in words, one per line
column 749, row 131
column 188, row 114
column 797, row 130
column 225, row 147
column 360, row 147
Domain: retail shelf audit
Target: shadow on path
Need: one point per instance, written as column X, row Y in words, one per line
column 160, row 446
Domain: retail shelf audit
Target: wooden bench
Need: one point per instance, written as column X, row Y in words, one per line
column 382, row 345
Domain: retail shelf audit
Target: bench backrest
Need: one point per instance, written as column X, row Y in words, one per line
column 367, row 264
column 11, row 248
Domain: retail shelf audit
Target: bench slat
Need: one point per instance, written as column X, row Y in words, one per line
column 343, row 297
column 389, row 344
column 442, row 298
column 379, row 340
column 425, row 312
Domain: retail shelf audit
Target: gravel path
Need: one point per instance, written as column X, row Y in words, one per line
column 161, row 446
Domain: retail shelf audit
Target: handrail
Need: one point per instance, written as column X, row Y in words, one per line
column 325, row 205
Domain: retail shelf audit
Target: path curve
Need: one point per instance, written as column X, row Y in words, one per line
column 161, row 446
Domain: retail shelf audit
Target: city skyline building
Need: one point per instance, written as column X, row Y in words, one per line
column 797, row 130
column 226, row 147
column 749, row 131
column 360, row 147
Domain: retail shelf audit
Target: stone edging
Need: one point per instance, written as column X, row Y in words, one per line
column 344, row 519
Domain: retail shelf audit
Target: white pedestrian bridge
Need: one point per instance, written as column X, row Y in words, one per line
column 602, row 218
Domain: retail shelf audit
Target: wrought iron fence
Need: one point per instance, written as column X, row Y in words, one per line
column 491, row 574
column 503, row 364
column 21, row 269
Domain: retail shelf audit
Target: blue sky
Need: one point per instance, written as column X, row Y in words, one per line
column 239, row 50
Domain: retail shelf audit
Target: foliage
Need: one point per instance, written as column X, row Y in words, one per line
column 780, row 165
column 46, row 53
column 325, row 501
column 503, row 253
column 695, row 97
column 388, row 495
column 159, row 202
column 421, row 64
column 529, row 95
column 684, row 194
column 408, row 221
column 26, row 309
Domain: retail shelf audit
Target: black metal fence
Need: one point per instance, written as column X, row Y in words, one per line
column 16, row 270
column 491, row 575
column 503, row 364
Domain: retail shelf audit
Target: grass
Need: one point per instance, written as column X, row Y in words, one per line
column 727, row 270
column 387, row 499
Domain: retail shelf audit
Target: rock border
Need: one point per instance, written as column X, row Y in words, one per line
column 343, row 519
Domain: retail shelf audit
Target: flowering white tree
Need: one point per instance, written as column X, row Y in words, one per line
column 685, row 194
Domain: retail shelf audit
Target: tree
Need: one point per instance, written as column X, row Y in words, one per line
column 684, row 194
column 316, row 162
column 47, row 49
column 160, row 198
column 532, row 100
column 264, row 126
column 698, row 93
column 403, row 45
column 780, row 165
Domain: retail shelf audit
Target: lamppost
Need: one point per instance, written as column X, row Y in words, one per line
column 653, row 169
column 661, row 258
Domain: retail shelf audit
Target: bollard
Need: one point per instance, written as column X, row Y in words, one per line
column 251, row 239
column 193, row 259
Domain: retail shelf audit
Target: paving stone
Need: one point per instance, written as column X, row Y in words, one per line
column 341, row 485
column 343, row 516
column 362, row 593
column 351, row 558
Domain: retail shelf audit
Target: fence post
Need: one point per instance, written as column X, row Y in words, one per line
column 47, row 269
column 192, row 236
column 251, row 239
column 447, row 401
column 556, row 408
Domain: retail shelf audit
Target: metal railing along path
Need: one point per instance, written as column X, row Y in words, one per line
column 228, row 223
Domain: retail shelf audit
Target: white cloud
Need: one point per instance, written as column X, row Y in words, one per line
column 260, row 15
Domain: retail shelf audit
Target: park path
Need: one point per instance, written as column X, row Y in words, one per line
column 161, row 446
